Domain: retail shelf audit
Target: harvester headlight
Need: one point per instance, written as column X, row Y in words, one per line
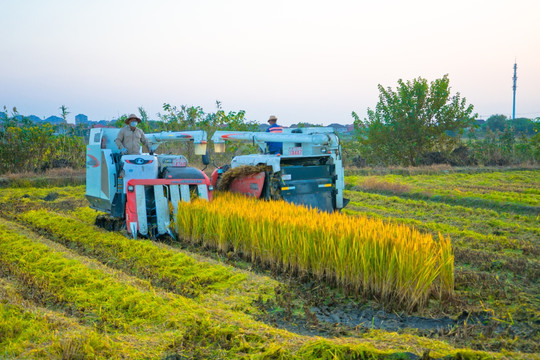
column 219, row 147
column 200, row 149
column 323, row 150
column 131, row 188
column 210, row 188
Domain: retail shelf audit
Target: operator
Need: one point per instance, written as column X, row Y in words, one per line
column 274, row 147
column 130, row 137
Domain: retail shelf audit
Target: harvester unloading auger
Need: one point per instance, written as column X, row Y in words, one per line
column 309, row 172
column 140, row 190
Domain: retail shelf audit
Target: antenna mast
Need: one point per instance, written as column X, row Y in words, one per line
column 514, row 87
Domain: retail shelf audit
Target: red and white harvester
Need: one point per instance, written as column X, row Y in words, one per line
column 308, row 171
column 141, row 190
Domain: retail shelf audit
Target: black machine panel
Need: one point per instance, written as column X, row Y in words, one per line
column 313, row 186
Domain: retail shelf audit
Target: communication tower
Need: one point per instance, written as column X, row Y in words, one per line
column 514, row 87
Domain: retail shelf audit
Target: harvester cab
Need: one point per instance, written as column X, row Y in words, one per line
column 140, row 190
column 309, row 172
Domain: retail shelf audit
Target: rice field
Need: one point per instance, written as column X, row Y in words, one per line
column 392, row 262
column 493, row 220
column 71, row 290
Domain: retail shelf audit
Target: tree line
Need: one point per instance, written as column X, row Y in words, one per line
column 29, row 147
column 422, row 123
column 417, row 123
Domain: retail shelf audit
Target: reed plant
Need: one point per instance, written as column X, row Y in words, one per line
column 396, row 264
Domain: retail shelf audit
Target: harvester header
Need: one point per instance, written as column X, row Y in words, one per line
column 307, row 171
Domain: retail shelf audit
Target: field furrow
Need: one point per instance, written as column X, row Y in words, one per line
column 161, row 265
column 100, row 300
column 31, row 330
column 181, row 326
column 475, row 228
column 515, row 192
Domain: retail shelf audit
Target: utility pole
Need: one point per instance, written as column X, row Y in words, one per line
column 514, row 87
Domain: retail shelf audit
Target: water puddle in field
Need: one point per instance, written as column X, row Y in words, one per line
column 51, row 196
column 379, row 319
column 326, row 320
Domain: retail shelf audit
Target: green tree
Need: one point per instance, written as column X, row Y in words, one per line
column 522, row 126
column 64, row 113
column 496, row 122
column 145, row 124
column 507, row 142
column 195, row 118
column 414, row 120
column 535, row 140
column 63, row 128
column 25, row 146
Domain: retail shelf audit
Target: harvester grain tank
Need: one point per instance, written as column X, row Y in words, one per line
column 141, row 189
column 309, row 172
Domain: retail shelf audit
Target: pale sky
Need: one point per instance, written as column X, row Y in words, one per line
column 310, row 61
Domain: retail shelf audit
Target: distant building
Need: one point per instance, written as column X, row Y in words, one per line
column 81, row 119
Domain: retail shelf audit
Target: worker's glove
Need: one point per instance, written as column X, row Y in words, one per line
column 124, row 151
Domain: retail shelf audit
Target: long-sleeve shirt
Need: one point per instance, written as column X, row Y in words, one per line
column 131, row 140
column 275, row 147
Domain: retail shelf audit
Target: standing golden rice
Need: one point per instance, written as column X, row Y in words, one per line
column 394, row 263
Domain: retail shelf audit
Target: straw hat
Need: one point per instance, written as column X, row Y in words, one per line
column 272, row 118
column 132, row 117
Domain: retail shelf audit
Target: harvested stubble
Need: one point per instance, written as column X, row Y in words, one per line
column 172, row 270
column 394, row 263
column 111, row 306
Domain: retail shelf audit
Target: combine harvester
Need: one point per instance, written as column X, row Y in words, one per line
column 138, row 190
column 309, row 172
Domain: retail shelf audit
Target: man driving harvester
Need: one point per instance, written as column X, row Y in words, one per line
column 274, row 147
column 130, row 137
